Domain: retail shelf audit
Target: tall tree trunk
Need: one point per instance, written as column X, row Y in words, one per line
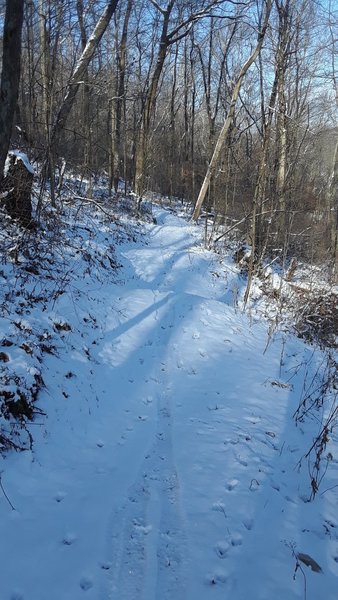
column 118, row 104
column 46, row 90
column 10, row 74
column 332, row 192
column 149, row 107
column 86, row 125
column 229, row 120
column 80, row 69
column 166, row 40
column 333, row 212
column 284, row 36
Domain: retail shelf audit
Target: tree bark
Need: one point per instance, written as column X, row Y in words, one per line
column 10, row 75
column 118, row 105
column 143, row 137
column 86, row 125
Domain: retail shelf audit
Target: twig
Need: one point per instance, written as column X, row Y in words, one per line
column 4, row 493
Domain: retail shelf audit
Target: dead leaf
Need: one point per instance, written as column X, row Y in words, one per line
column 309, row 562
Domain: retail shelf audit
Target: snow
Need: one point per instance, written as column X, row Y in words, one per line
column 168, row 463
column 18, row 156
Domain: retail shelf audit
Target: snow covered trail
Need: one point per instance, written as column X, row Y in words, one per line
column 169, row 465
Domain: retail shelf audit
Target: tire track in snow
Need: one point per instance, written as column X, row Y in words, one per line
column 147, row 538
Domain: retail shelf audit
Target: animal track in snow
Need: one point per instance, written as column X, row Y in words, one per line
column 221, row 549
column 60, row 496
column 254, row 485
column 219, row 507
column 69, row 539
column 248, row 523
column 253, row 420
column 105, row 565
column 241, row 460
column 236, row 539
column 218, row 577
column 230, row 441
column 86, row 583
column 230, row 485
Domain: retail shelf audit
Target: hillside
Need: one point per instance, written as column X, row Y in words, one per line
column 162, row 457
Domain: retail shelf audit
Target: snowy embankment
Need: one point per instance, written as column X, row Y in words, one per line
column 168, row 464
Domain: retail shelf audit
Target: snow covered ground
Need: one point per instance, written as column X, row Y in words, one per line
column 168, row 464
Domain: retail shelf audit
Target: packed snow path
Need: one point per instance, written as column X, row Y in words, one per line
column 168, row 469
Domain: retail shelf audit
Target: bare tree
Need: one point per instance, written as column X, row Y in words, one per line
column 118, row 103
column 168, row 37
column 230, row 117
column 80, row 70
column 332, row 192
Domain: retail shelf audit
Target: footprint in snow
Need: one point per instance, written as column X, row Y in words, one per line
column 254, row 485
column 217, row 578
column 16, row 596
column 236, row 539
column 69, row 539
column 241, row 460
column 232, row 484
column 253, row 420
column 105, row 565
column 60, row 496
column 230, row 441
column 248, row 523
column 86, row 583
column 221, row 549
column 219, row 507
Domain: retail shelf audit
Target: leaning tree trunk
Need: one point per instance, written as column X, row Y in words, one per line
column 10, row 75
column 229, row 120
column 80, row 70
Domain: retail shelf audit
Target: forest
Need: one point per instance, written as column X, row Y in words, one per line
column 168, row 299
column 230, row 103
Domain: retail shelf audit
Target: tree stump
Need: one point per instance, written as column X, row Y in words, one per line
column 16, row 188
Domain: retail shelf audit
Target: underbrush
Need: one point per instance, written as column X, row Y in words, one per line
column 309, row 308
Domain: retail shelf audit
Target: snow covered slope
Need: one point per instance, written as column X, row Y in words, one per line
column 168, row 465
